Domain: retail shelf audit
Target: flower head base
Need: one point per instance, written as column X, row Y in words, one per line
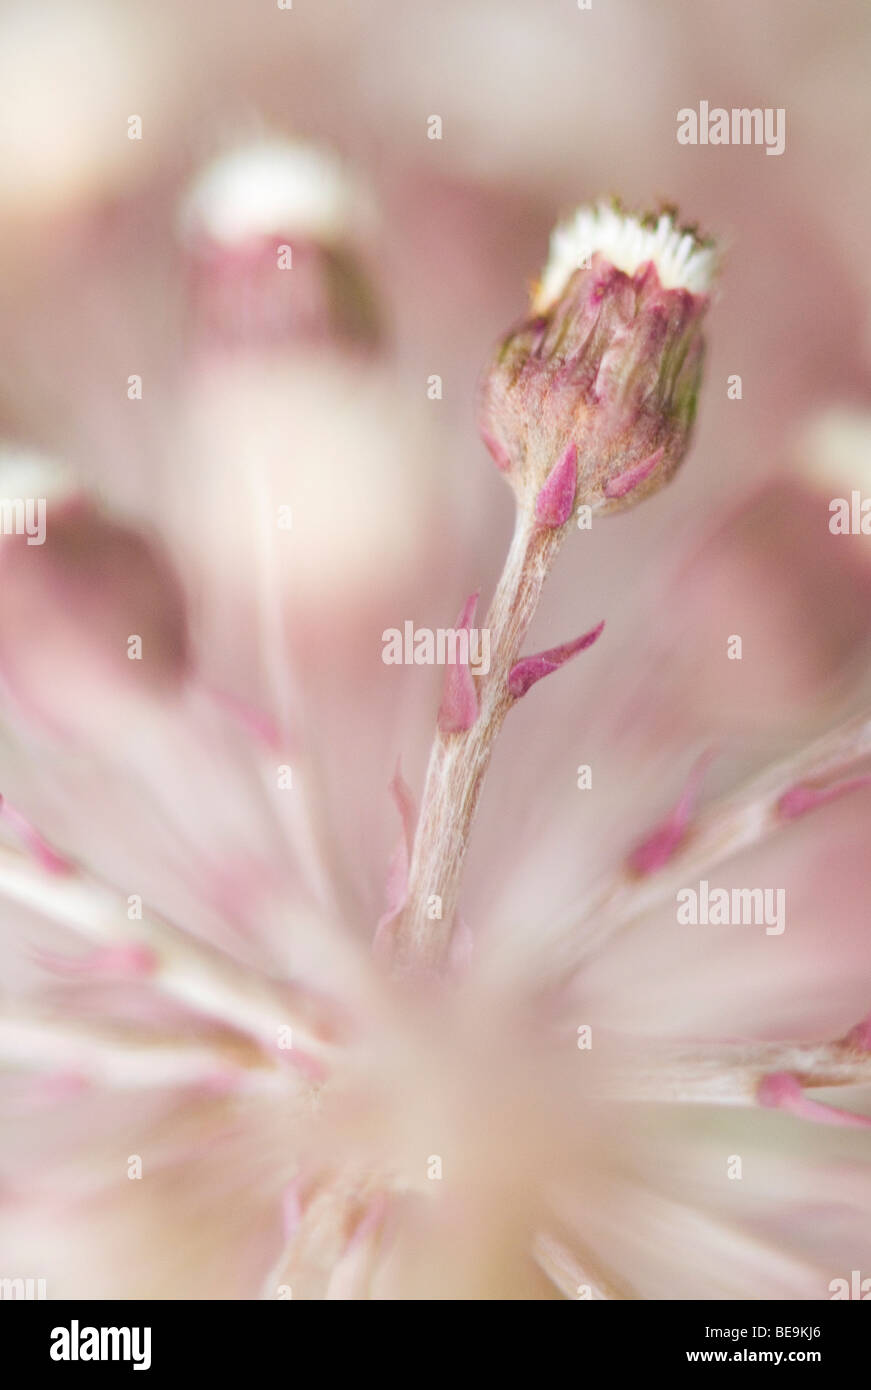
column 609, row 361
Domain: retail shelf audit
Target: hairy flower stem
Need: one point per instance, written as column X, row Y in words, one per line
column 458, row 761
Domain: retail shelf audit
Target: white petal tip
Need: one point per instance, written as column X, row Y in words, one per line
column 681, row 259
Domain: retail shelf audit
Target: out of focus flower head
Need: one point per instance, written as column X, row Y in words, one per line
column 275, row 228
column 291, row 397
column 80, row 586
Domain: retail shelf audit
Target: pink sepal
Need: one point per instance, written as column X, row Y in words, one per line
column 860, row 1036
column 532, row 668
column 782, row 1091
column 655, row 850
column 555, row 502
column 41, row 850
column 803, row 797
column 628, row 481
column 459, row 707
column 397, row 873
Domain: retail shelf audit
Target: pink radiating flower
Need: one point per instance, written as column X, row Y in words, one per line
column 426, row 1119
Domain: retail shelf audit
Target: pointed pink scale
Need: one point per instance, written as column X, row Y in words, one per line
column 803, row 797
column 628, row 481
column 40, row 849
column 403, row 798
column 655, row 850
column 291, row 1208
column 555, row 503
column 860, row 1036
column 498, row 453
column 396, row 890
column 782, row 1091
column 397, row 873
column 133, row 961
column 459, row 707
column 530, row 669
column 125, row 960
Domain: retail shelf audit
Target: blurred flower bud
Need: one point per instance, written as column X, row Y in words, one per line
column 92, row 615
column 271, row 229
column 609, row 363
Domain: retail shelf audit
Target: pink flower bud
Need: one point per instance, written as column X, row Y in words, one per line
column 608, row 363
